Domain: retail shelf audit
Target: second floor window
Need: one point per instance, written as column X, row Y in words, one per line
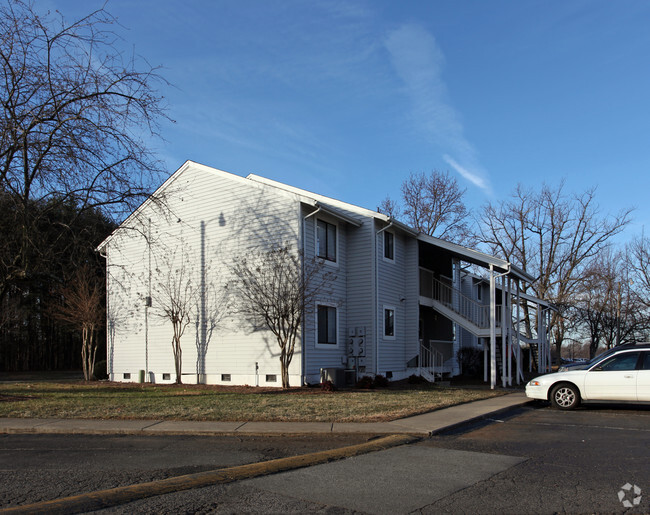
column 326, row 240
column 389, row 245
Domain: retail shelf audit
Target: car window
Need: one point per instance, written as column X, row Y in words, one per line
column 646, row 361
column 625, row 361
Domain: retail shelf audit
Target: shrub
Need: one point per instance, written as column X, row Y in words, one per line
column 380, row 381
column 365, row 383
column 327, row 386
column 416, row 379
column 99, row 372
column 471, row 361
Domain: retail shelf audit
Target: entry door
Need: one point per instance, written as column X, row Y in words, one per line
column 613, row 379
column 643, row 379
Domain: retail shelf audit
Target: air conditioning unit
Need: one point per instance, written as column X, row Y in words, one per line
column 335, row 375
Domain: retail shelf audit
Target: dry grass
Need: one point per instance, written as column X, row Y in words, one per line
column 190, row 402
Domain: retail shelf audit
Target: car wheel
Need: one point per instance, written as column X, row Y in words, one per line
column 565, row 396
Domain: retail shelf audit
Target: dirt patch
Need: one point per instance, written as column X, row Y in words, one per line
column 16, row 398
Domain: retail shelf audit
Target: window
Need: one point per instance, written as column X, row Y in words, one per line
column 326, row 325
column 626, row 361
column 646, row 361
column 225, row 377
column 389, row 245
column 127, row 375
column 271, row 378
column 167, row 377
column 389, row 322
column 326, row 240
column 479, row 292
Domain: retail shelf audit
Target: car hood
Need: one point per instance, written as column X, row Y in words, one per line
column 574, row 366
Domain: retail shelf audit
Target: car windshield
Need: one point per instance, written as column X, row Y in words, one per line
column 603, row 355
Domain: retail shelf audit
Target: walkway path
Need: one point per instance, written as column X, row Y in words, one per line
column 425, row 424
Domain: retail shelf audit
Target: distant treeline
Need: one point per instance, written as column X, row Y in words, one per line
column 42, row 245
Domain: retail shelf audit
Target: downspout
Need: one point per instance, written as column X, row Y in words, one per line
column 377, row 318
column 303, row 359
column 109, row 363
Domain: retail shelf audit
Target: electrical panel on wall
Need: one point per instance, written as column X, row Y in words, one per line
column 357, row 341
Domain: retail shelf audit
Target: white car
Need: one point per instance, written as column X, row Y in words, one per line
column 620, row 374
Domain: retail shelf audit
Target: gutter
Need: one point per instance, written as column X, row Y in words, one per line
column 377, row 318
column 303, row 358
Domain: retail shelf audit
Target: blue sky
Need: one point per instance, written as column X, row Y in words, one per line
column 346, row 98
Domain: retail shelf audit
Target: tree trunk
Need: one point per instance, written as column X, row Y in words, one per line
column 178, row 355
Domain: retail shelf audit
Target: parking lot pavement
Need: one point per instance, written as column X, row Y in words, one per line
column 398, row 480
column 533, row 461
column 529, row 461
column 578, row 462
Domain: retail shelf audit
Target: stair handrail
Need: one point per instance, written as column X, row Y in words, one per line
column 454, row 299
column 431, row 360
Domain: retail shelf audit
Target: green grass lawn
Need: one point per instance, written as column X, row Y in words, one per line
column 191, row 402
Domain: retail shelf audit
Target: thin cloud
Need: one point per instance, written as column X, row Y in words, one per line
column 418, row 61
column 471, row 177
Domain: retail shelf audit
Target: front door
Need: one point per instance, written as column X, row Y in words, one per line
column 643, row 379
column 613, row 379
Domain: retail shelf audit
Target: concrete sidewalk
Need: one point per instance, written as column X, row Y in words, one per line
column 426, row 424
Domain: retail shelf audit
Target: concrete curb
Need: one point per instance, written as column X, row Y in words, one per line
column 426, row 424
column 106, row 498
column 484, row 416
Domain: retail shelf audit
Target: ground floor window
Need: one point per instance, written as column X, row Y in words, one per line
column 389, row 322
column 326, row 324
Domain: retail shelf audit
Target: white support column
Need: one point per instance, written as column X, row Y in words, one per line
column 520, row 368
column 509, row 328
column 504, row 333
column 485, row 360
column 493, row 336
column 547, row 323
column 456, row 303
column 541, row 348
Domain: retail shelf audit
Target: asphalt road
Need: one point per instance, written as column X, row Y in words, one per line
column 533, row 461
column 36, row 468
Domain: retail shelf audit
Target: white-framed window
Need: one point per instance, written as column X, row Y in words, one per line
column 326, row 240
column 389, row 322
column 389, row 246
column 327, row 324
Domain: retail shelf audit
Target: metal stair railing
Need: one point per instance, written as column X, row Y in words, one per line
column 430, row 362
column 455, row 300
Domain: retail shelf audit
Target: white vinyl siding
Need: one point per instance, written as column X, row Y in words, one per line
column 325, row 355
column 392, row 294
column 238, row 216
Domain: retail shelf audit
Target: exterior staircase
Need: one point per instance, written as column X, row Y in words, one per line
column 430, row 365
column 470, row 314
column 453, row 304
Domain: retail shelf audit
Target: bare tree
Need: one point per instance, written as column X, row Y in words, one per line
column 83, row 307
column 638, row 258
column 175, row 297
column 554, row 237
column 76, row 119
column 595, row 308
column 274, row 290
column 433, row 204
column 390, row 208
column 184, row 293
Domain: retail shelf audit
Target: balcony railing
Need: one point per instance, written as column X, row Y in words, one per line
column 471, row 310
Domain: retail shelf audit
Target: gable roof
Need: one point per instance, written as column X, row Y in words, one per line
column 336, row 208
